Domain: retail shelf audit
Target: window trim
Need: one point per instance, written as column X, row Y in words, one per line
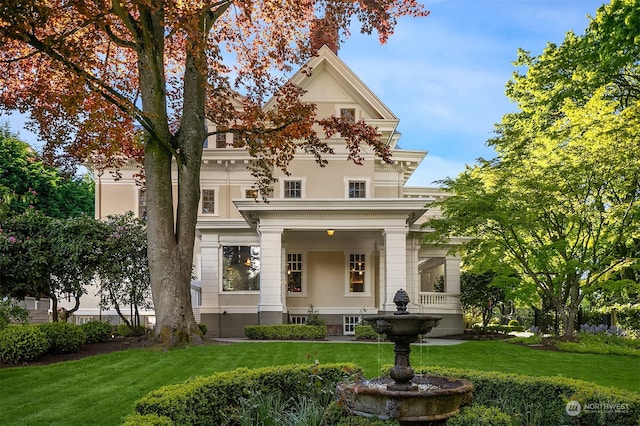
column 138, row 196
column 303, row 275
column 356, row 111
column 302, row 180
column 216, row 191
column 366, row 272
column 367, row 186
column 233, row 242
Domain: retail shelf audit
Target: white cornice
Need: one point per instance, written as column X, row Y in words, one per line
column 407, row 209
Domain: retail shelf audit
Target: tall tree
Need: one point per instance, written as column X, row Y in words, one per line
column 26, row 182
column 560, row 203
column 89, row 71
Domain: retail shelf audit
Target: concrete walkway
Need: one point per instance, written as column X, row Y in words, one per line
column 341, row 339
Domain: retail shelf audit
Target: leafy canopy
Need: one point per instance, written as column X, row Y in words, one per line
column 560, row 203
column 27, row 183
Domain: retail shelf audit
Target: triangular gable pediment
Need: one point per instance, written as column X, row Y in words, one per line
column 332, row 81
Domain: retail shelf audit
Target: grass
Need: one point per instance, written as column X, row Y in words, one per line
column 102, row 390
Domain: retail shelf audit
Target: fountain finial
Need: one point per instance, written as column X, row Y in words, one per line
column 401, row 299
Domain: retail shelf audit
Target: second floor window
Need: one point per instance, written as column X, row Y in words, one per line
column 142, row 204
column 221, row 140
column 292, row 189
column 208, row 201
column 357, row 189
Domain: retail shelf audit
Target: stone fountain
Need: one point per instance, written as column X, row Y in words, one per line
column 411, row 399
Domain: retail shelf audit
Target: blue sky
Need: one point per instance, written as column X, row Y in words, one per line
column 444, row 75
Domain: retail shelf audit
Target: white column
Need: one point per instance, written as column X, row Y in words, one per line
column 395, row 241
column 413, row 277
column 271, row 304
column 452, row 274
column 210, row 273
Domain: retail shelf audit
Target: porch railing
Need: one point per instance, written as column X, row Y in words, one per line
column 437, row 300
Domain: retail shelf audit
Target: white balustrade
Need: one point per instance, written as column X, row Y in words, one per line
column 437, row 300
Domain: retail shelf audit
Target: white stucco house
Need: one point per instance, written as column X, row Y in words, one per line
column 337, row 241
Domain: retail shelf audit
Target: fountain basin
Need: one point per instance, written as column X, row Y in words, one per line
column 433, row 400
column 409, row 325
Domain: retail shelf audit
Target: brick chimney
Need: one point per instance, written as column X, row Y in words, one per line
column 323, row 32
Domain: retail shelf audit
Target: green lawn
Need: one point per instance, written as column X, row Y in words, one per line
column 102, row 390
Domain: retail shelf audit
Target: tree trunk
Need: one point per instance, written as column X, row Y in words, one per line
column 170, row 256
column 171, row 235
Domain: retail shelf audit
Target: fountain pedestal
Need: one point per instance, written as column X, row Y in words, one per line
column 406, row 397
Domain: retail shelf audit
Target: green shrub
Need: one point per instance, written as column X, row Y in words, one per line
column 22, row 343
column 514, row 323
column 125, row 330
column 479, row 415
column 604, row 345
column 63, row 337
column 535, row 339
column 285, row 332
column 9, row 312
column 215, row 399
column 628, row 318
column 314, row 319
column 97, row 331
column 505, row 329
column 147, row 420
column 543, row 400
column 203, row 328
column 365, row 332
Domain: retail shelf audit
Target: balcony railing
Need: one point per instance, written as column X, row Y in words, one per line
column 440, row 301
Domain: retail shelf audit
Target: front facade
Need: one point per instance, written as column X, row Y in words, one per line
column 337, row 242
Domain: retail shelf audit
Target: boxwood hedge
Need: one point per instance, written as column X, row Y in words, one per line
column 549, row 401
column 286, row 332
column 544, row 401
column 214, row 399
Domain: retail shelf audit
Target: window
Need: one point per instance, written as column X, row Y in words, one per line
column 208, row 201
column 221, row 140
column 292, row 189
column 237, row 140
column 250, row 193
column 298, row 319
column 357, row 189
column 79, row 320
column 240, row 268
column 356, row 272
column 349, row 323
column 348, row 114
column 142, row 204
column 294, row 272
